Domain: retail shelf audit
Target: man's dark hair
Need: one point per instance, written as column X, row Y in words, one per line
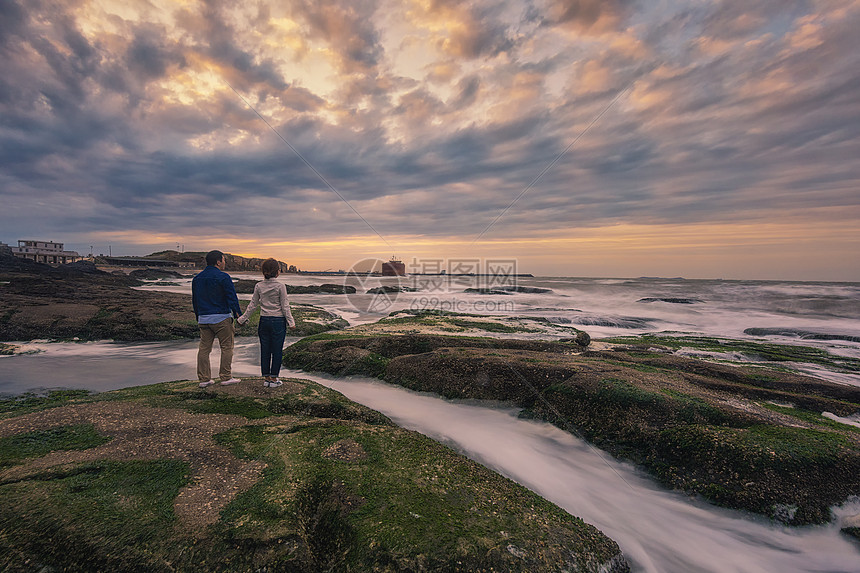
column 212, row 257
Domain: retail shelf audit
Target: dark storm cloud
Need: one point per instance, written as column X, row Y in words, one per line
column 589, row 15
column 148, row 57
column 12, row 21
column 347, row 27
column 471, row 157
column 71, row 60
column 216, row 38
column 734, row 19
column 419, row 105
column 468, row 92
column 478, row 30
column 54, row 68
column 487, row 37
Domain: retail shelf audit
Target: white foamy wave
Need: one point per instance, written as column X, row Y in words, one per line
column 853, row 420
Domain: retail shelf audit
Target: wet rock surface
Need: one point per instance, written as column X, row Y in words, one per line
column 671, row 300
column 79, row 301
column 851, row 526
column 801, row 333
column 446, row 323
column 246, row 286
column 388, row 289
column 711, row 429
column 156, row 274
column 66, row 303
column 328, row 288
column 247, row 478
column 483, row 290
column 525, row 289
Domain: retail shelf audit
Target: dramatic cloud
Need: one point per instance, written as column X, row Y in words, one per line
column 150, row 122
column 589, row 16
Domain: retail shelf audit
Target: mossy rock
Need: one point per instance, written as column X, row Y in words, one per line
column 702, row 427
column 757, row 350
column 342, row 489
column 244, row 286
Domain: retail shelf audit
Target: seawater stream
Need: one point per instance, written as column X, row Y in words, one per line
column 659, row 531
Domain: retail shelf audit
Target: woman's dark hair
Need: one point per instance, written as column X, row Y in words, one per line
column 271, row 268
column 213, row 257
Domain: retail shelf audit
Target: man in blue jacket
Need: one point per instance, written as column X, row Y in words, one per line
column 215, row 305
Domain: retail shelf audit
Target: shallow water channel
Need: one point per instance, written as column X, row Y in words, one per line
column 659, row 531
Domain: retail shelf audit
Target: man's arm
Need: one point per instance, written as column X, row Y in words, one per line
column 232, row 299
column 194, row 298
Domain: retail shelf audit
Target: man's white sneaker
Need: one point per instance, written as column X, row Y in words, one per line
column 230, row 381
column 272, row 383
column 205, row 384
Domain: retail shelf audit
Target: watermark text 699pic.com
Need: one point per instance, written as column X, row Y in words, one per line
column 433, row 303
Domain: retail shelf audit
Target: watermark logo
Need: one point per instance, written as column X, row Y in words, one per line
column 446, row 274
column 365, row 292
column 435, row 282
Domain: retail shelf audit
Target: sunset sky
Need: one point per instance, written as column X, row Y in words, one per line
column 704, row 139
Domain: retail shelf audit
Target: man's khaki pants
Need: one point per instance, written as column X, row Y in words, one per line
column 223, row 331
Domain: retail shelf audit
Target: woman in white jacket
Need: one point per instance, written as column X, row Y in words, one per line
column 271, row 296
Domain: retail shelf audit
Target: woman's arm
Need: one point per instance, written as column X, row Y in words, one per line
column 285, row 306
column 252, row 306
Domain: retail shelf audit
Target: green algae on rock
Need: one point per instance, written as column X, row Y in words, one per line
column 243, row 478
column 699, row 426
column 465, row 324
column 723, row 348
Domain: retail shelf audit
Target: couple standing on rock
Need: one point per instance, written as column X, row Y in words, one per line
column 216, row 304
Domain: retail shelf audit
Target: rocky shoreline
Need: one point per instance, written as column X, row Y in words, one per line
column 171, row 477
column 743, row 437
column 80, row 302
column 747, row 438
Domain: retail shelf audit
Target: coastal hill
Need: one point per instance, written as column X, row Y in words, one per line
column 171, row 477
column 234, row 262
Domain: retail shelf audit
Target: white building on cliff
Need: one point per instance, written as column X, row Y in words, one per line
column 45, row 252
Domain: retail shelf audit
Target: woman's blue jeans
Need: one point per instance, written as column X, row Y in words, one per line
column 272, row 331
